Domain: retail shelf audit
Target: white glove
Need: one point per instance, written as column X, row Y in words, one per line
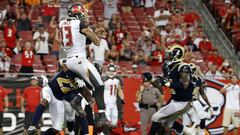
column 80, row 82
column 45, row 80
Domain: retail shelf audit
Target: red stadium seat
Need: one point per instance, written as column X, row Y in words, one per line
column 26, row 35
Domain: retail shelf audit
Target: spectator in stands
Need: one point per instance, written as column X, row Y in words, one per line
column 113, row 54
column 55, row 43
column 99, row 53
column 126, row 53
column 10, row 36
column 214, row 73
column 232, row 109
column 205, row 45
column 41, row 38
column 113, row 22
column 24, row 20
column 214, row 57
column 157, row 56
column 149, row 47
column 162, row 16
column 226, row 69
column 141, row 59
column 4, row 49
column 141, row 41
column 177, row 18
column 149, row 3
column 3, row 106
column 126, row 6
column 6, row 62
column 31, row 97
column 12, row 72
column 118, row 36
column 110, row 7
column 27, row 57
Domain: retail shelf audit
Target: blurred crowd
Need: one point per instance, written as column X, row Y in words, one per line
column 134, row 34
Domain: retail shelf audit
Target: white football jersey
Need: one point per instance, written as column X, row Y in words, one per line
column 111, row 89
column 73, row 41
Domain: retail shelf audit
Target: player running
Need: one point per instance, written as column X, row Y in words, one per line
column 197, row 113
column 179, row 80
column 75, row 34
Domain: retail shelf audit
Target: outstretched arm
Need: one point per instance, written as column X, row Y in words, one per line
column 86, row 30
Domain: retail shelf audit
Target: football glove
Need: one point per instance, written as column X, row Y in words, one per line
column 80, row 83
column 162, row 81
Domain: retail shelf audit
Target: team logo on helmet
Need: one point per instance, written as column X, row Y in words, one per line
column 78, row 11
column 174, row 53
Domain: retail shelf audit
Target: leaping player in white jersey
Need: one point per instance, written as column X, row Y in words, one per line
column 75, row 34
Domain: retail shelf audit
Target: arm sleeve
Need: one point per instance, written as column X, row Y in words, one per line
column 88, row 41
column 83, row 24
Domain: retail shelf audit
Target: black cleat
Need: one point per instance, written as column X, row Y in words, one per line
column 103, row 121
column 76, row 104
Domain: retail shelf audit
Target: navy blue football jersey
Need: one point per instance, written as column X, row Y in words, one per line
column 180, row 94
column 61, row 85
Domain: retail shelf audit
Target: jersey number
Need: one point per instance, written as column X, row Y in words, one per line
column 61, row 81
column 66, row 34
column 113, row 89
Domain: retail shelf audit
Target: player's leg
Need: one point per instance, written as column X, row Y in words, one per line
column 169, row 113
column 70, row 117
column 108, row 112
column 114, row 114
column 83, row 68
column 57, row 112
column 98, row 84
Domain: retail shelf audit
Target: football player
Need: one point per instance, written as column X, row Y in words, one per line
column 197, row 113
column 75, row 34
column 177, row 76
column 53, row 94
column 112, row 90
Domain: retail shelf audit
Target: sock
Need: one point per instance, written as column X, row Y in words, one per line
column 70, row 125
column 99, row 97
column 156, row 128
column 202, row 123
column 177, row 126
column 84, row 126
column 38, row 114
column 51, row 131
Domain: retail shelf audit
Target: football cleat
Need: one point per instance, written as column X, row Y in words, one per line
column 104, row 122
column 32, row 130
